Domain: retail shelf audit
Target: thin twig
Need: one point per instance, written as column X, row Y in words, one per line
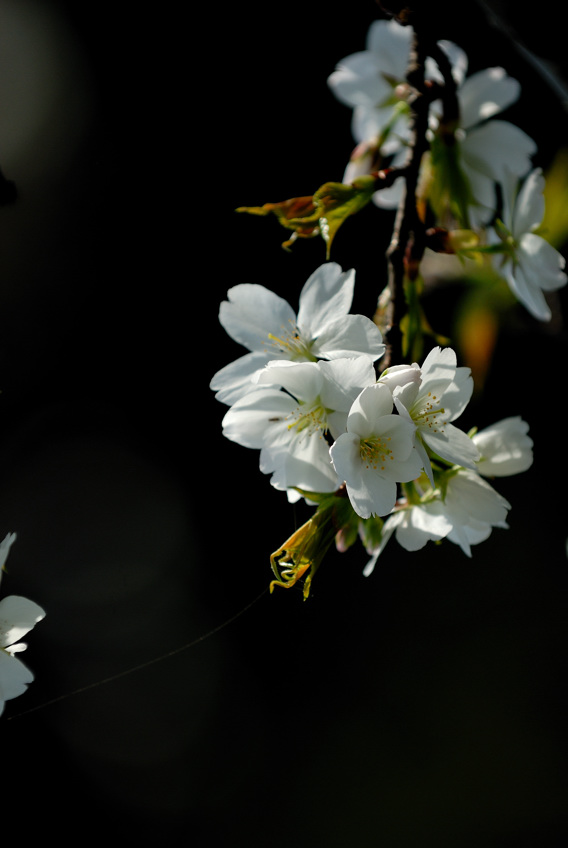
column 407, row 243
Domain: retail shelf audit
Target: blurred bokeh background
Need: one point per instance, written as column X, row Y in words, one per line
column 423, row 705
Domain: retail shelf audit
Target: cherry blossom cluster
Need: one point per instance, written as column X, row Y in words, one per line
column 342, row 417
column 477, row 172
column 308, row 395
column 17, row 617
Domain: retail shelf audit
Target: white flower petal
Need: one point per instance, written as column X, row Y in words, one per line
column 356, row 81
column 424, row 458
column 458, row 536
column 389, row 527
column 235, row 379
column 367, row 124
column 529, row 205
column 496, row 147
column 483, row 192
column 439, row 365
column 14, row 676
column 471, row 499
column 252, row 312
column 451, row 444
column 541, row 262
column 373, row 402
column 458, row 61
column 17, row 617
column 5, row 546
column 305, row 463
column 372, row 495
column 527, row 292
column 402, row 470
column 351, row 335
column 303, row 380
column 345, row 455
column 467, row 535
column 389, row 198
column 423, row 523
column 401, row 375
column 344, row 380
column 505, row 448
column 390, row 42
column 485, row 94
column 326, row 296
column 259, row 412
column 459, row 392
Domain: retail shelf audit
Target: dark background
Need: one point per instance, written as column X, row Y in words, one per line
column 421, row 706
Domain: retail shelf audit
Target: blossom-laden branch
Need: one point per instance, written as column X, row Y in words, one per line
column 337, row 406
column 408, row 239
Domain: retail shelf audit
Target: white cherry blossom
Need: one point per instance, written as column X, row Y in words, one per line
column 432, row 403
column 464, row 510
column 529, row 263
column 17, row 617
column 473, row 507
column 413, row 525
column 375, row 453
column 505, row 448
column 373, row 83
column 488, row 146
column 266, row 324
column 290, row 427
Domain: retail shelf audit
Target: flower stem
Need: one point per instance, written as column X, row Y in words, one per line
column 408, row 239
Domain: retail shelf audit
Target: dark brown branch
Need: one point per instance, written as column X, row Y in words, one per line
column 407, row 244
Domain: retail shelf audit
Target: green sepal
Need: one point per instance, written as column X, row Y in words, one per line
column 336, row 202
column 320, row 214
column 414, row 324
column 449, row 192
column 371, row 532
column 293, row 214
column 301, row 554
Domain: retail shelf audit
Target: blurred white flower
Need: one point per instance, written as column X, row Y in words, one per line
column 464, row 510
column 486, row 148
column 266, row 324
column 17, row 617
column 529, row 263
column 505, row 448
column 373, row 83
column 5, row 546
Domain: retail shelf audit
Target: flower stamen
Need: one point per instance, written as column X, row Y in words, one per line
column 309, row 419
column 429, row 416
column 374, row 452
column 291, row 344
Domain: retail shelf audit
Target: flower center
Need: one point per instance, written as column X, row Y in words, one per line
column 291, row 344
column 508, row 241
column 375, row 452
column 309, row 419
column 431, row 414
